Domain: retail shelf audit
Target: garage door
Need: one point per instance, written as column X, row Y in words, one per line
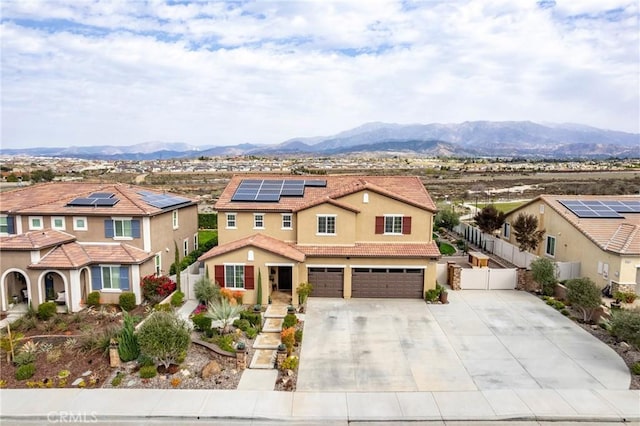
column 387, row 283
column 326, row 282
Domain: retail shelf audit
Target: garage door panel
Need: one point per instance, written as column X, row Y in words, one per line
column 385, row 283
column 326, row 282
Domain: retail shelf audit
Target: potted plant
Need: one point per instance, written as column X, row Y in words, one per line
column 444, row 296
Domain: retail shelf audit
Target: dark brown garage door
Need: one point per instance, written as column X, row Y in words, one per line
column 326, row 282
column 387, row 283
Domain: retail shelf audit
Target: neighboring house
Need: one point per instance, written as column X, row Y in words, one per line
column 60, row 241
column 349, row 236
column 601, row 232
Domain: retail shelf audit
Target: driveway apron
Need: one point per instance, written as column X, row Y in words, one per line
column 481, row 340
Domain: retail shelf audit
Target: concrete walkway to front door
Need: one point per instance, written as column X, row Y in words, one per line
column 481, row 340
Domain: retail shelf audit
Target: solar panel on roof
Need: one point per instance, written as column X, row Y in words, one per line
column 316, row 183
column 162, row 201
column 269, row 190
column 82, row 202
column 101, row 195
column 593, row 209
column 106, row 202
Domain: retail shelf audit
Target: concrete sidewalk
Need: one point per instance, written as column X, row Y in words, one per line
column 104, row 405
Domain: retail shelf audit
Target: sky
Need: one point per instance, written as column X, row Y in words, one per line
column 80, row 72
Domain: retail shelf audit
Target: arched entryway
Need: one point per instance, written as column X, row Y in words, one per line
column 85, row 285
column 52, row 288
column 15, row 289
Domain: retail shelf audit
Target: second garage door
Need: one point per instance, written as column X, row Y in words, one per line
column 387, row 283
column 326, row 282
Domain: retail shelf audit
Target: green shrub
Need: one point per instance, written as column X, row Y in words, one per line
column 93, row 299
column 254, row 318
column 148, row 372
column 304, row 290
column 156, row 288
column 298, row 336
column 127, row 301
column 163, row 307
column 46, row 310
column 117, row 380
column 565, row 312
column 635, row 368
column 290, row 320
column 24, row 358
column 225, row 343
column 543, row 271
column 177, row 298
column 211, row 332
column 144, row 360
column 625, row 325
column 163, row 337
column 291, row 363
column 242, row 324
column 625, row 296
column 128, row 347
column 558, row 305
column 205, row 290
column 251, row 333
column 201, row 322
column 583, row 294
column 25, row 372
column 432, row 295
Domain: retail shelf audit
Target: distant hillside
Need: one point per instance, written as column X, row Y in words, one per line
column 471, row 138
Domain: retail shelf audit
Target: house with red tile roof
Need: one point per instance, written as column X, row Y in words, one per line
column 601, row 232
column 61, row 241
column 349, row 236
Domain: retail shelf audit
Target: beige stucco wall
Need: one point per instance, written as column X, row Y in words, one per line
column 163, row 235
column 572, row 246
column 346, row 222
column 244, row 227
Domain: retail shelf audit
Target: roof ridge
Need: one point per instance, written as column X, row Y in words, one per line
column 632, row 235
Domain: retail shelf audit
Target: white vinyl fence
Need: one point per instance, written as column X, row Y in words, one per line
column 188, row 278
column 488, row 279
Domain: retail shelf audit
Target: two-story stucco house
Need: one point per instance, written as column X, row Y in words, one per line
column 61, row 241
column 601, row 232
column 349, row 236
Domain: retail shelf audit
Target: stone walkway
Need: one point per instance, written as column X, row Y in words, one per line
column 266, row 344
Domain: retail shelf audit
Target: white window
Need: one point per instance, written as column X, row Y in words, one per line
column 4, row 225
column 158, row 264
column 326, row 224
column 175, row 219
column 195, row 241
column 234, row 276
column 287, row 221
column 231, row 220
column 185, row 247
column 393, row 224
column 550, row 248
column 80, row 224
column 506, row 230
column 111, row 277
column 58, row 222
column 35, row 223
column 258, row 221
column 122, row 228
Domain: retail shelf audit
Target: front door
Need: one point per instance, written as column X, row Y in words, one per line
column 284, row 277
column 50, row 294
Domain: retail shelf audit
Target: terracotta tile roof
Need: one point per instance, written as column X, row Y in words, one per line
column 75, row 255
column 261, row 241
column 52, row 198
column 395, row 250
column 621, row 235
column 35, row 240
column 408, row 189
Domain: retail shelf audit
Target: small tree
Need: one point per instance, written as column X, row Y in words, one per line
column 206, row 291
column 128, row 347
column 164, row 338
column 259, row 290
column 224, row 312
column 176, row 262
column 489, row 219
column 446, row 218
column 584, row 295
column 543, row 271
column 526, row 232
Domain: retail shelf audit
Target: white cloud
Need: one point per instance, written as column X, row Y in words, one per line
column 126, row 72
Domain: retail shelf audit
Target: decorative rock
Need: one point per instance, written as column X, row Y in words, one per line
column 131, row 383
column 87, row 373
column 185, row 373
column 211, row 369
column 624, row 346
column 77, row 381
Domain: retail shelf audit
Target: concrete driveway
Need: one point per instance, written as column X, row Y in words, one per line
column 481, row 340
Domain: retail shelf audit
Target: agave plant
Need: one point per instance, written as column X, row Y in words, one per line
column 224, row 312
column 30, row 347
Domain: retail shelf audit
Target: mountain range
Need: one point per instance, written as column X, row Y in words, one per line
column 468, row 139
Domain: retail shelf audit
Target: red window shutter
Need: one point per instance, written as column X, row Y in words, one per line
column 406, row 225
column 219, row 275
column 379, row 224
column 248, row 277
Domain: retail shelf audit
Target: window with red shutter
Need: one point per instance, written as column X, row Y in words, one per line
column 379, row 224
column 219, row 275
column 248, row 277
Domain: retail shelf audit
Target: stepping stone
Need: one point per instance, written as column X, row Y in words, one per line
column 258, row 380
column 263, row 359
column 276, row 311
column 272, row 325
column 267, row 341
